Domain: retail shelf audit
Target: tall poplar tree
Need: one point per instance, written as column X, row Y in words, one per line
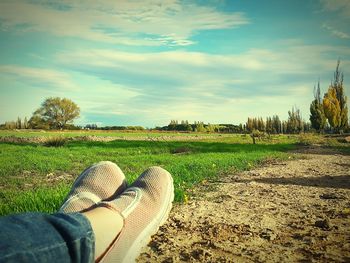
column 332, row 108
column 295, row 122
column 335, row 102
column 317, row 117
column 338, row 85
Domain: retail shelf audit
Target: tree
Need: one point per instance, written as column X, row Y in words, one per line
column 37, row 122
column 57, row 112
column 19, row 123
column 295, row 122
column 172, row 125
column 210, row 127
column 261, row 124
column 269, row 127
column 276, row 124
column 332, row 108
column 10, row 125
column 284, row 127
column 249, row 125
column 199, row 127
column 317, row 117
column 25, row 123
column 337, row 85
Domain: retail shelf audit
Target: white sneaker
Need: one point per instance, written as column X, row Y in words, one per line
column 101, row 181
column 145, row 206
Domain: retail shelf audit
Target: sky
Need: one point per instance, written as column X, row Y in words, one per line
column 146, row 62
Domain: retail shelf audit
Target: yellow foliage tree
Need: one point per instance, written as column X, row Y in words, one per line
column 332, row 108
column 338, row 85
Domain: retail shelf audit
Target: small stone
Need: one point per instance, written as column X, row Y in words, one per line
column 309, row 240
column 297, row 236
column 168, row 260
column 268, row 234
column 305, row 210
column 329, row 196
column 323, row 224
column 243, row 193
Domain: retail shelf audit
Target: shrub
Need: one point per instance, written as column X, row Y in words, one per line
column 57, row 141
column 181, row 150
column 310, row 139
column 257, row 134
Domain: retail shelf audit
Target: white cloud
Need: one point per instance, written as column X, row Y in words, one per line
column 341, row 6
column 151, row 22
column 39, row 76
column 336, row 32
column 105, row 97
column 29, row 86
column 341, row 34
column 180, row 64
column 208, row 87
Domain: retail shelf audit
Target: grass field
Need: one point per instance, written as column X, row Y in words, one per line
column 34, row 177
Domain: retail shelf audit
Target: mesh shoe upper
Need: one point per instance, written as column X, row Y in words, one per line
column 101, row 181
column 144, row 206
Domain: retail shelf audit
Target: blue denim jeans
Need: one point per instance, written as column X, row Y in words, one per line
column 38, row 237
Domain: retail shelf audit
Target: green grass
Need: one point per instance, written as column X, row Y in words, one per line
column 43, row 199
column 335, row 142
column 27, row 171
column 34, row 177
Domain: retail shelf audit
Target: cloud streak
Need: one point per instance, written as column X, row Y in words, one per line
column 39, row 77
column 146, row 23
column 181, row 67
column 341, row 6
column 336, row 32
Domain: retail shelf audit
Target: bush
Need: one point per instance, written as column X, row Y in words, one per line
column 57, row 141
column 256, row 134
column 311, row 139
column 181, row 150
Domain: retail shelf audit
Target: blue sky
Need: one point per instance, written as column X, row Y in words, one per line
column 145, row 62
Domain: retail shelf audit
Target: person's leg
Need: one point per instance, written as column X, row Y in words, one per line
column 118, row 228
column 38, row 237
column 106, row 224
column 65, row 236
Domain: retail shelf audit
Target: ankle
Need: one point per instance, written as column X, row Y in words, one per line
column 106, row 224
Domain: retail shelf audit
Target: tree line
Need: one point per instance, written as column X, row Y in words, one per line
column 329, row 114
column 199, row 126
column 273, row 125
column 18, row 124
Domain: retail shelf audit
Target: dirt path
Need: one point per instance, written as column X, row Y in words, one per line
column 294, row 211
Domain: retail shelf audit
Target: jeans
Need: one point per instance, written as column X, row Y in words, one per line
column 38, row 237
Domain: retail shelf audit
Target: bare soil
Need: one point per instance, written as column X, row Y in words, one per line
column 94, row 138
column 292, row 211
